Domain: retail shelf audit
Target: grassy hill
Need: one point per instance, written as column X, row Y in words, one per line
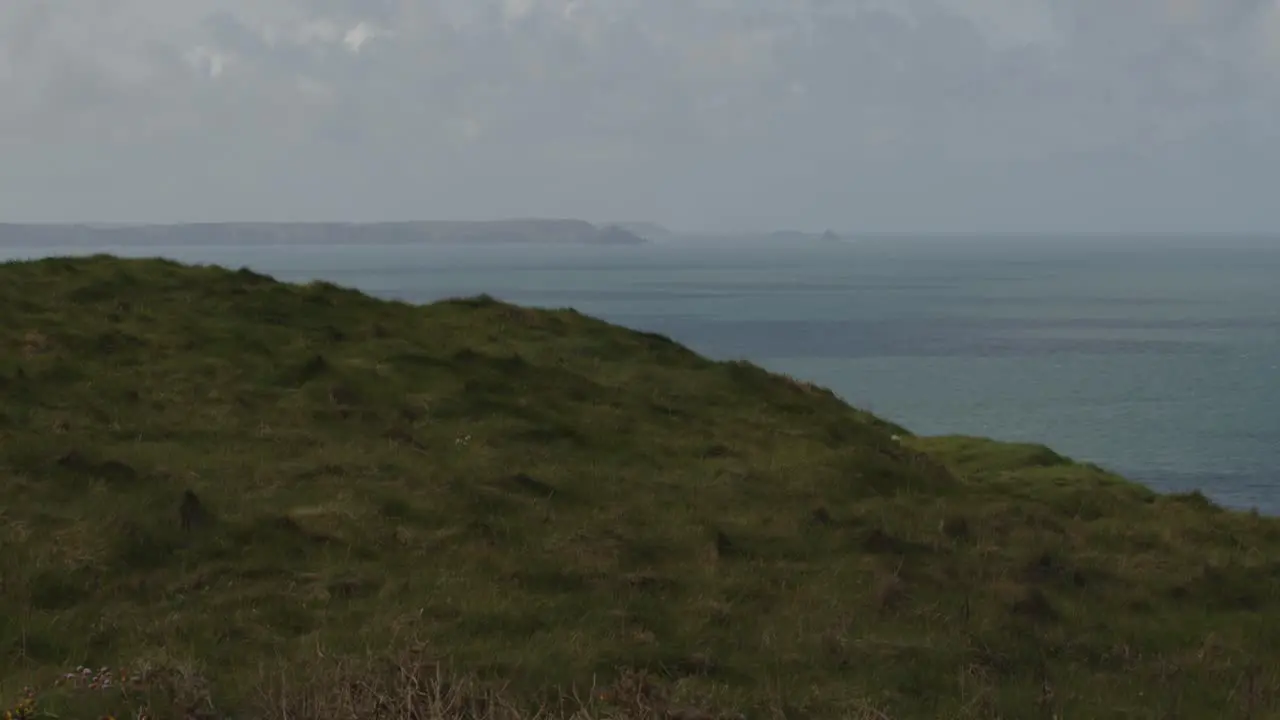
column 259, row 499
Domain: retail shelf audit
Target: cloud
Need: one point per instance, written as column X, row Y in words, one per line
column 1267, row 38
column 359, row 34
column 849, row 113
column 205, row 60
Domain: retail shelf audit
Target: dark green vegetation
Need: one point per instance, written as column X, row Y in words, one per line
column 544, row 500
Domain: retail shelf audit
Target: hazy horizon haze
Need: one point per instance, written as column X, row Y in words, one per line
column 701, row 115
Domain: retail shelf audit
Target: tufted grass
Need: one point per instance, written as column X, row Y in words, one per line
column 537, row 505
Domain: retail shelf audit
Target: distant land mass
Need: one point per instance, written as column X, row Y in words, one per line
column 485, row 232
column 801, row 236
column 774, row 238
column 653, row 232
column 649, row 231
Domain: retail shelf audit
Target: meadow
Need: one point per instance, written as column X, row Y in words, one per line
column 224, row 496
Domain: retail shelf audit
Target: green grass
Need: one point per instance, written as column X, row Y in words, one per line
column 543, row 501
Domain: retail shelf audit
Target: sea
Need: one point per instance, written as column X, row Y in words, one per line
column 1157, row 358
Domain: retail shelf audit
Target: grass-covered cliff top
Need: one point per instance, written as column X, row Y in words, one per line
column 543, row 503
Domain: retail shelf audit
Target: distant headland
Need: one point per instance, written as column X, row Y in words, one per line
column 480, row 232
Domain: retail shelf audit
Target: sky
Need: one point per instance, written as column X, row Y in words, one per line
column 703, row 115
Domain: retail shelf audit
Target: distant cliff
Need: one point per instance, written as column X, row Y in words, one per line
column 561, row 232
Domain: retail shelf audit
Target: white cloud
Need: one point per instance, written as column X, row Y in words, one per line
column 207, row 61
column 356, row 37
column 693, row 111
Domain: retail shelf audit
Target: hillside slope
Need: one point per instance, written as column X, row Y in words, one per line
column 541, row 499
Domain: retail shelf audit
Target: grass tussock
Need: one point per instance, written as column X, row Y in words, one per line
column 267, row 500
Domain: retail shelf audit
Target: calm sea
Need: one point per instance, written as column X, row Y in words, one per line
column 1157, row 359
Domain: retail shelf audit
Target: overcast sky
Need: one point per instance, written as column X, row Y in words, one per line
column 960, row 115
